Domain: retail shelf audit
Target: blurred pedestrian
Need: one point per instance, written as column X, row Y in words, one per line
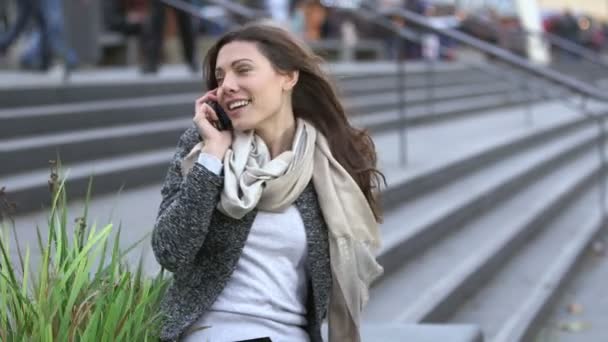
column 567, row 28
column 297, row 22
column 279, row 11
column 4, row 15
column 393, row 43
column 154, row 32
column 315, row 19
column 57, row 39
column 413, row 50
column 26, row 10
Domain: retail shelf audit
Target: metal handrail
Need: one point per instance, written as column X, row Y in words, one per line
column 487, row 48
column 413, row 36
column 233, row 8
column 558, row 42
column 500, row 54
column 573, row 47
column 566, row 45
column 419, row 20
column 545, row 93
column 520, row 63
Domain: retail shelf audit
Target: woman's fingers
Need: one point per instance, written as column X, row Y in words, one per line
column 205, row 128
column 209, row 96
column 205, row 116
column 209, row 112
column 206, row 120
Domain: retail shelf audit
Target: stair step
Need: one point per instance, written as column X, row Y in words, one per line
column 77, row 116
column 19, row 155
column 428, row 217
column 420, row 292
column 121, row 83
column 389, row 99
column 418, row 115
column 361, row 84
column 584, row 286
column 446, row 151
column 104, row 85
column 30, row 190
column 508, row 306
column 89, row 144
column 17, row 122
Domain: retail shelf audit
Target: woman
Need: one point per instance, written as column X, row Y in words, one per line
column 268, row 227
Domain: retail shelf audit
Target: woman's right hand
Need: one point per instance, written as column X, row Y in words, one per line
column 216, row 142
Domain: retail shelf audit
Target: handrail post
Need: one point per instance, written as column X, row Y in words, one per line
column 603, row 161
column 591, row 72
column 430, row 50
column 515, row 85
column 529, row 99
column 401, row 78
column 584, row 102
column 430, row 85
column 601, row 123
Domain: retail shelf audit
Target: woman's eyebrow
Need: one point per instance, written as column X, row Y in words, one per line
column 234, row 62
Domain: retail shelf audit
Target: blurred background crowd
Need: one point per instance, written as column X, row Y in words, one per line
column 36, row 34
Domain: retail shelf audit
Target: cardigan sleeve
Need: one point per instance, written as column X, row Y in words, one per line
column 185, row 210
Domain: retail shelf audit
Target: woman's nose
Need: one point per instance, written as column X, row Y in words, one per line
column 229, row 84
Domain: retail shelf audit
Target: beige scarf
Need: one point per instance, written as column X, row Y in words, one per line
column 252, row 179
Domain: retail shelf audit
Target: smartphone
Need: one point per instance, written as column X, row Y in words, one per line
column 223, row 122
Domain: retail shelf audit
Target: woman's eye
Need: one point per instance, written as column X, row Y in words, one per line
column 244, row 70
column 219, row 80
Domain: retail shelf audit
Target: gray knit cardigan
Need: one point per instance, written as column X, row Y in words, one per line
column 201, row 246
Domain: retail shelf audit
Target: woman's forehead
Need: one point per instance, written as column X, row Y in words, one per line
column 234, row 52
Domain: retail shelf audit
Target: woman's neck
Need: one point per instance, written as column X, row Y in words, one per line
column 278, row 134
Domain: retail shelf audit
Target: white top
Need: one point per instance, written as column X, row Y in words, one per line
column 267, row 293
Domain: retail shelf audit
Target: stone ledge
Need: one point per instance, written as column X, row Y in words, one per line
column 406, row 332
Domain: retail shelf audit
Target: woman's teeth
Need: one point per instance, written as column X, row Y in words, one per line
column 238, row 104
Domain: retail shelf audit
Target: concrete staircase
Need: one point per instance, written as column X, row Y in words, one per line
column 489, row 216
column 124, row 131
column 489, row 236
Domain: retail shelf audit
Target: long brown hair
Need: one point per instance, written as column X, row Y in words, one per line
column 314, row 99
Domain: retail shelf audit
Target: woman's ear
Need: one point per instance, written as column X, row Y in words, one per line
column 291, row 79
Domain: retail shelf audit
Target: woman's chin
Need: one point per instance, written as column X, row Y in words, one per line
column 241, row 127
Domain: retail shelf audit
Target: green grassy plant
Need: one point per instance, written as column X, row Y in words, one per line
column 81, row 290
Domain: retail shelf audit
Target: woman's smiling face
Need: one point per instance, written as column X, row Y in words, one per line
column 250, row 90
